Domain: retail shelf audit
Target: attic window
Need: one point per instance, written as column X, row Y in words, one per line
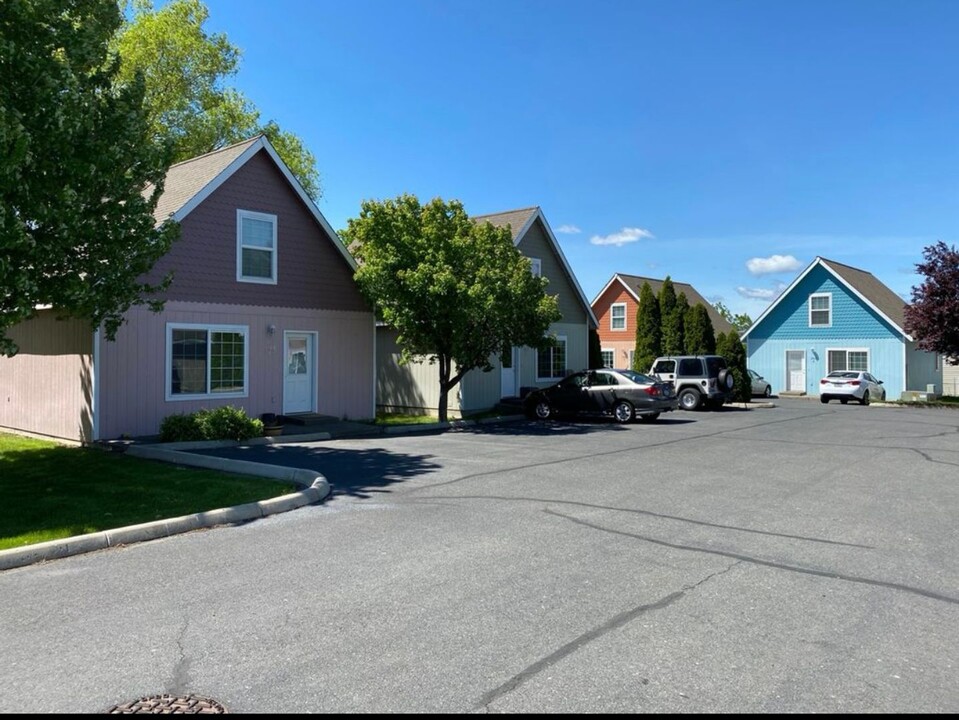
column 255, row 247
column 820, row 310
column 536, row 267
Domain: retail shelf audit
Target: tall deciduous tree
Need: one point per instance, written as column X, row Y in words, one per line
column 595, row 349
column 648, row 330
column 456, row 291
column 741, row 321
column 76, row 228
column 933, row 316
column 187, row 92
column 700, row 337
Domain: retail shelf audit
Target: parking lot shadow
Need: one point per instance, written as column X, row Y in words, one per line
column 579, row 426
column 359, row 473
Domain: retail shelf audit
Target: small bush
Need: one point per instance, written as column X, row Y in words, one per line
column 222, row 423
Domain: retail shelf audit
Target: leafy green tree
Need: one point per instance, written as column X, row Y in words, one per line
column 741, row 321
column 76, row 155
column 186, row 71
column 731, row 347
column 648, row 330
column 595, row 349
column 700, row 337
column 456, row 291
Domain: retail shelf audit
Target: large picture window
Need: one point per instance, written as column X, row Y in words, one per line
column 617, row 316
column 845, row 359
column 551, row 362
column 820, row 310
column 206, row 361
column 255, row 247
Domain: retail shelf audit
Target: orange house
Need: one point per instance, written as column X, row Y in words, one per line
column 615, row 308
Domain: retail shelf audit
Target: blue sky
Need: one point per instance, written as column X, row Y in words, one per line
column 681, row 138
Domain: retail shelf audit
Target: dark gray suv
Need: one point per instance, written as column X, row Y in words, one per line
column 698, row 379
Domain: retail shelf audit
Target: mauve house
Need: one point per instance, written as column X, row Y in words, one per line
column 263, row 313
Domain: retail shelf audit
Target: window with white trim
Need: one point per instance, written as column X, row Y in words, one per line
column 255, row 247
column 551, row 362
column 617, row 316
column 607, row 358
column 847, row 359
column 820, row 310
column 206, row 361
column 536, row 267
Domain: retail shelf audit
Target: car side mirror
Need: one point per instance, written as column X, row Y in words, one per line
column 879, row 381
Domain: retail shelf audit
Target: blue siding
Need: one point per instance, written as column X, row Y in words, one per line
column 922, row 369
column 851, row 317
column 768, row 358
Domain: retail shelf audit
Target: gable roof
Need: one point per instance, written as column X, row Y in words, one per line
column 634, row 284
column 864, row 285
column 519, row 222
column 192, row 181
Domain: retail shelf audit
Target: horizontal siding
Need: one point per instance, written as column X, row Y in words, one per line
column 47, row 387
column 922, row 369
column 536, row 244
column 950, row 378
column 768, row 358
column 851, row 317
column 615, row 293
column 411, row 387
column 133, row 369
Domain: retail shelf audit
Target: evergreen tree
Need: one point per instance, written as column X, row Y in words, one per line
column 700, row 338
column 670, row 328
column 732, row 348
column 595, row 349
column 674, row 325
column 648, row 330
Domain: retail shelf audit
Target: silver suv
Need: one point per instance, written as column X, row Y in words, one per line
column 697, row 379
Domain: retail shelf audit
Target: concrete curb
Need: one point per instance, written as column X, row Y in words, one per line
column 214, row 444
column 751, row 405
column 314, row 486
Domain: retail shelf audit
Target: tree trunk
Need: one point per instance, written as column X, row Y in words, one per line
column 444, row 363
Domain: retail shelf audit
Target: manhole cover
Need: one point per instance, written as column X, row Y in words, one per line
column 168, row 705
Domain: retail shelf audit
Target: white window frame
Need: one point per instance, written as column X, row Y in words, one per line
column 536, row 267
column 562, row 339
column 820, row 325
column 847, row 351
column 210, row 329
column 612, row 325
column 612, row 357
column 263, row 217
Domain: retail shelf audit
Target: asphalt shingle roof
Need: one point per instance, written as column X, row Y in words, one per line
column 888, row 302
column 516, row 219
column 635, row 283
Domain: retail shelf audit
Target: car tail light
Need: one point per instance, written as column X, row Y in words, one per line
column 854, row 382
column 823, row 382
column 652, row 391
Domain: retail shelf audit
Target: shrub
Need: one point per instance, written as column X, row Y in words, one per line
column 222, row 423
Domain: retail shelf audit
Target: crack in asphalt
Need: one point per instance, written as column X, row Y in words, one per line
column 930, row 594
column 589, row 636
column 182, row 667
column 932, row 459
column 648, row 513
column 638, row 448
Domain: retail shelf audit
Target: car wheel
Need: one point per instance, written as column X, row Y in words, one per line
column 843, row 400
column 865, row 398
column 689, row 399
column 623, row 412
column 542, row 410
column 883, row 398
column 651, row 417
column 768, row 392
column 725, row 379
column 824, row 400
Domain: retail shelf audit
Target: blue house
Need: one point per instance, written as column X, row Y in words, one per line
column 836, row 317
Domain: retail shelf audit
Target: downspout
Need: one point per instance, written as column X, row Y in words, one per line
column 95, row 394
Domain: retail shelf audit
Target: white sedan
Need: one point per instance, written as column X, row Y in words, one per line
column 846, row 385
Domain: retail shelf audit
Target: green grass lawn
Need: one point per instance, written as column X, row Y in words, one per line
column 49, row 491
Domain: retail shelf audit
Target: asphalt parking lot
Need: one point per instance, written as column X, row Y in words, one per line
column 803, row 558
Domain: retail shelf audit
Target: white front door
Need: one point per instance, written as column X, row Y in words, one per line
column 796, row 370
column 507, row 386
column 299, row 372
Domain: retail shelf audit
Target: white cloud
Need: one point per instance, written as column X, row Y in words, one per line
column 773, row 264
column 756, row 293
column 626, row 235
column 568, row 229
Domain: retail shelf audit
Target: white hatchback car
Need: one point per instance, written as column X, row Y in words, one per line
column 846, row 385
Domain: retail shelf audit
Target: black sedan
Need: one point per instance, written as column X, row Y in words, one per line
column 624, row 394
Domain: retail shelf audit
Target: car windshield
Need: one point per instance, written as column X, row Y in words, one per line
column 837, row 374
column 638, row 377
